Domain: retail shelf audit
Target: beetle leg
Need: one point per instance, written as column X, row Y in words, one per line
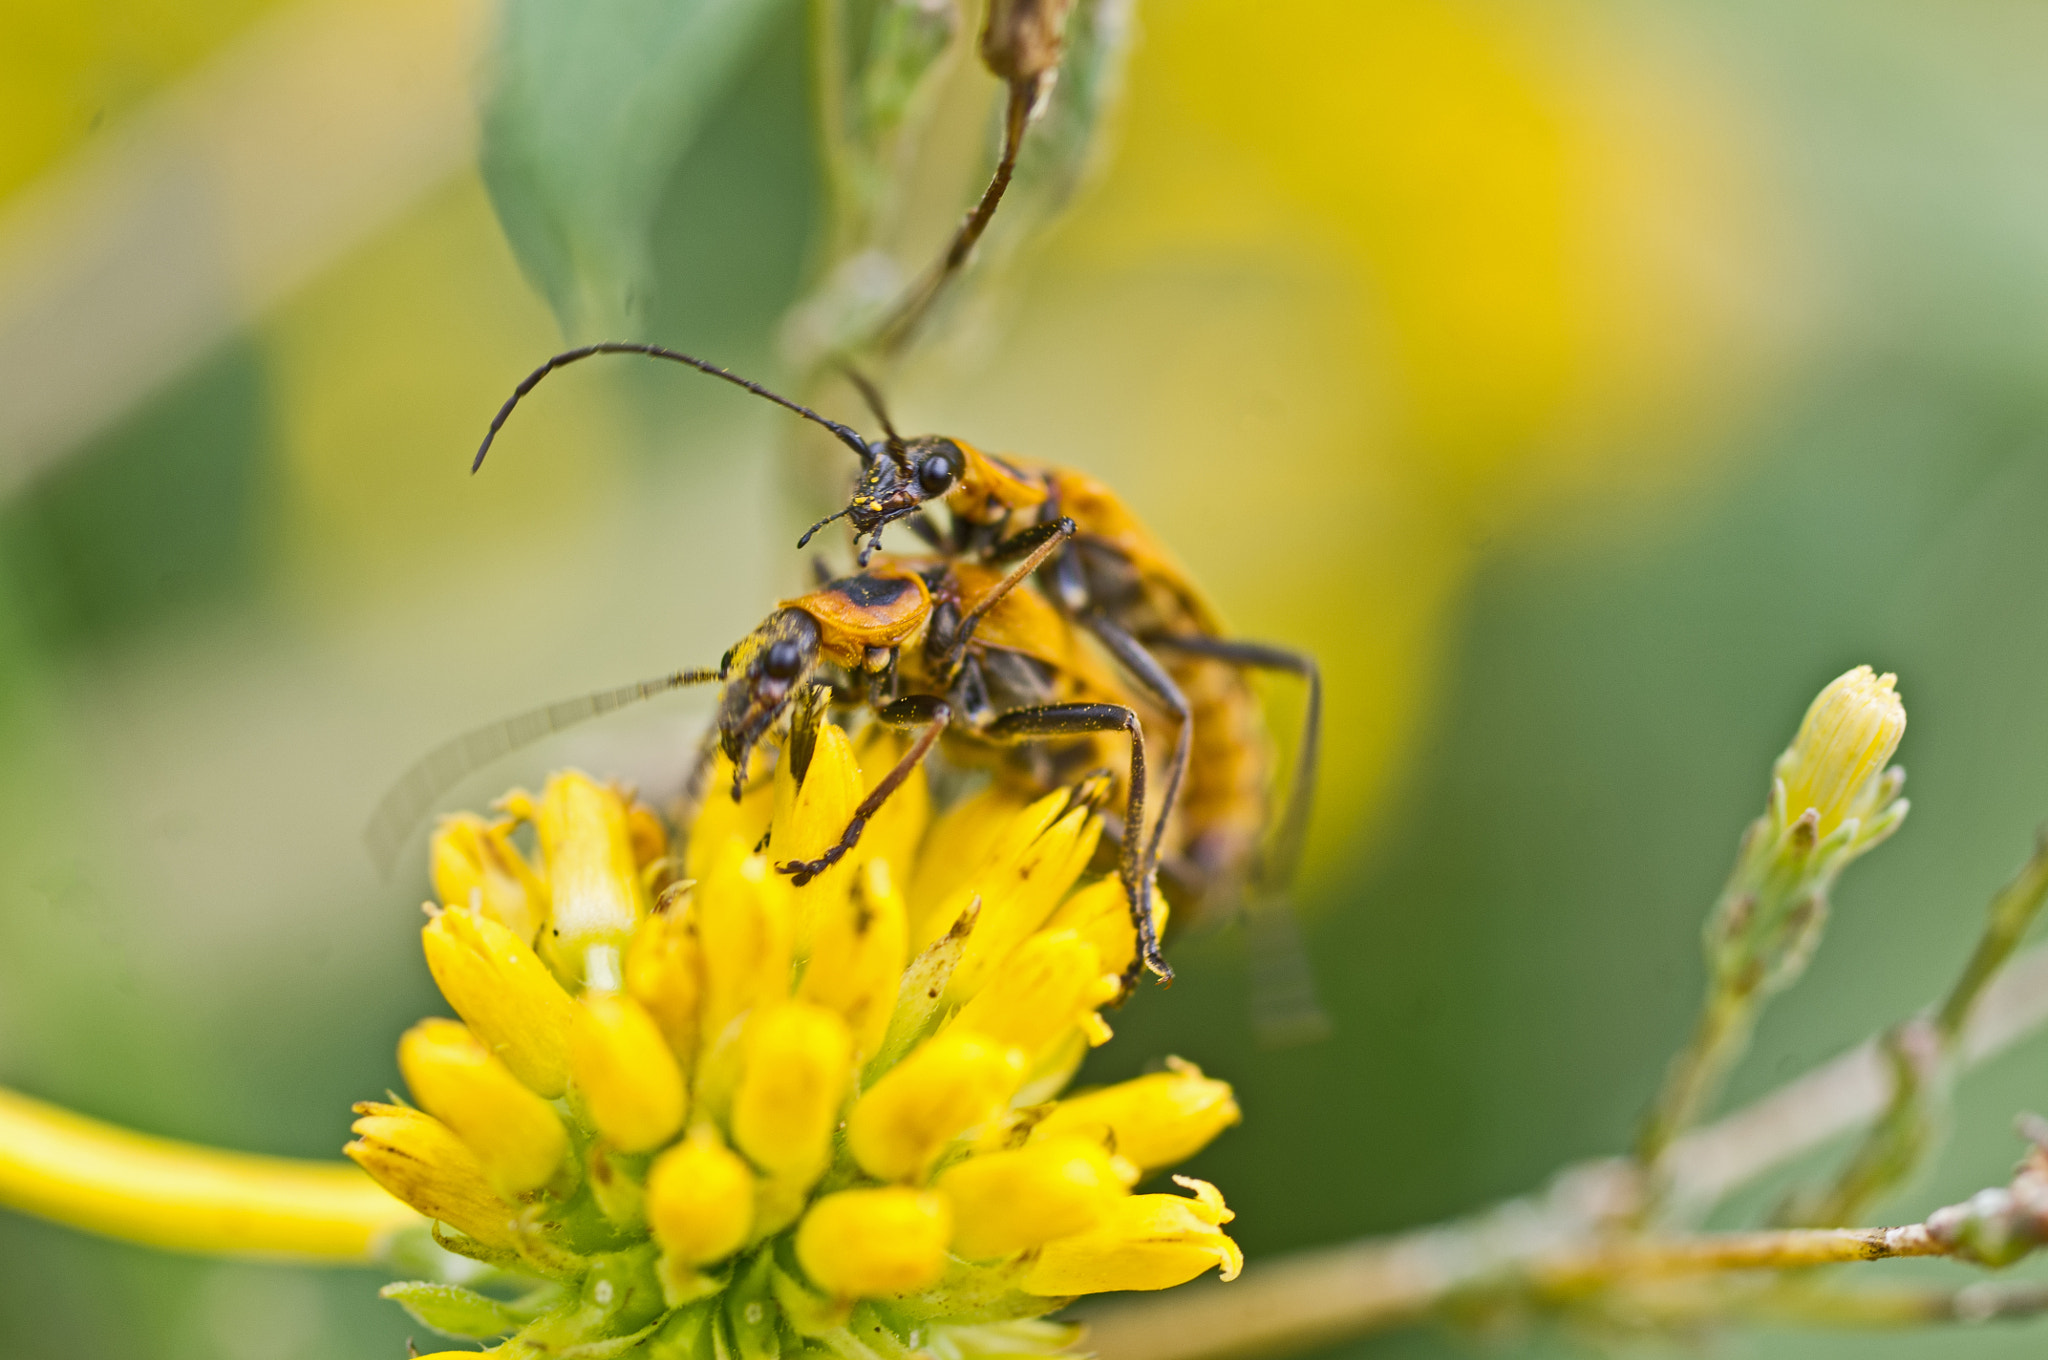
column 1078, row 719
column 1277, row 865
column 924, row 710
column 1285, row 1009
column 1144, row 668
column 1045, row 541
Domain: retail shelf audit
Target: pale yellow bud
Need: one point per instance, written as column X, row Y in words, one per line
column 1051, row 985
column 873, row 1243
column 1101, row 914
column 1155, row 1121
column 664, row 973
column 799, row 1060
column 858, row 955
column 628, row 1079
column 1007, row 1202
column 700, row 1199
column 742, row 909
column 1030, row 869
column 475, row 864
column 1141, row 1242
column 514, row 1133
column 595, row 892
column 420, row 1160
column 1847, row 737
column 949, row 1085
column 505, row 993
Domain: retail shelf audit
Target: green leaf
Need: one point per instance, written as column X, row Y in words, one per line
column 589, row 106
column 452, row 1310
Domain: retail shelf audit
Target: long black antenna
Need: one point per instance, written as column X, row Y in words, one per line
column 872, row 395
column 847, row 435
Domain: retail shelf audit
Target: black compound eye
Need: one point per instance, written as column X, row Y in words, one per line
column 935, row 474
column 783, row 661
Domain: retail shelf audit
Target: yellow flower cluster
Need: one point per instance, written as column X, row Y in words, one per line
column 719, row 1114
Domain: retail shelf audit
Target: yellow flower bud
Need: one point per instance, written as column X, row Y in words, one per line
column 596, row 896
column 505, row 993
column 1030, row 869
column 513, row 1132
column 476, row 865
column 742, row 910
column 950, row 1084
column 419, row 1160
column 799, row 1059
column 1053, row 983
column 664, row 973
column 629, row 1081
column 1141, row 1242
column 1155, row 1121
column 1101, row 914
column 1007, row 1202
column 700, row 1199
column 872, row 1243
column 1849, row 733
column 858, row 955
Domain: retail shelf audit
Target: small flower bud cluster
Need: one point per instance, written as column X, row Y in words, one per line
column 721, row 1114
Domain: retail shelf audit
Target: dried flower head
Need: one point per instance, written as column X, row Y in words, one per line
column 726, row 1114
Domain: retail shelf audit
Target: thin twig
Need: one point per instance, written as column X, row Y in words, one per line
column 1314, row 1297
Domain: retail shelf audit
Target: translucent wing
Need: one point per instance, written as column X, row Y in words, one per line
column 402, row 809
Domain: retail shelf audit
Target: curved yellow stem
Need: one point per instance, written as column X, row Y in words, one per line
column 180, row 1197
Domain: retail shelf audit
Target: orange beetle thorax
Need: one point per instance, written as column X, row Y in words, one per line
column 884, row 608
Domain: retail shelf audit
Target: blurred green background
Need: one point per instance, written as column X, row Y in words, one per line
column 1586, row 382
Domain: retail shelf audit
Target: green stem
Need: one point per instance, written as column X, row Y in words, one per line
column 1696, row 1072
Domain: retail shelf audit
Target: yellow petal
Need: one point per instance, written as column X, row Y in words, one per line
column 720, row 819
column 893, row 834
column 700, row 1199
column 1051, row 984
column 1142, row 1242
column 505, row 993
column 1155, row 1121
column 799, row 1060
column 1007, row 1202
column 419, row 1160
column 950, row 1084
column 596, row 896
column 664, row 973
column 1042, row 852
column 1101, row 914
column 857, row 957
column 872, row 1243
column 742, row 909
column 513, row 1132
column 476, row 865
column 963, row 839
column 628, row 1080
